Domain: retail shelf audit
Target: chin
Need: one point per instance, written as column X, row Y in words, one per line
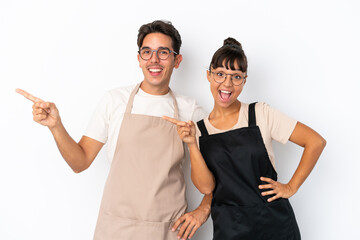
column 156, row 81
column 225, row 104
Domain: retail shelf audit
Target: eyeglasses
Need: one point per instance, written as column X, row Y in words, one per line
column 236, row 78
column 162, row 53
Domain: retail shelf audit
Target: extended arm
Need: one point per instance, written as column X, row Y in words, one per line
column 79, row 156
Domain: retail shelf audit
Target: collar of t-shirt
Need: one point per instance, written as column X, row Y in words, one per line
column 145, row 94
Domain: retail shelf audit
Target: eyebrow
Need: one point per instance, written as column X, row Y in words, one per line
column 223, row 70
column 158, row 47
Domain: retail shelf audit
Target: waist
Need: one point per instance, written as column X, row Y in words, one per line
column 248, row 204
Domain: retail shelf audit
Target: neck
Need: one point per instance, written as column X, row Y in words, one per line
column 154, row 89
column 221, row 112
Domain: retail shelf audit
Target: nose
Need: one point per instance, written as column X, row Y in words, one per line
column 228, row 80
column 154, row 57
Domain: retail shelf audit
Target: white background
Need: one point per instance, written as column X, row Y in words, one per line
column 303, row 60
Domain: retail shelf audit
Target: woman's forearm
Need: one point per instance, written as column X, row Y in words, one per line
column 313, row 145
column 201, row 176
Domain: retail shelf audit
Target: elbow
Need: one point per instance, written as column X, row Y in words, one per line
column 317, row 145
column 321, row 143
column 206, row 191
column 79, row 169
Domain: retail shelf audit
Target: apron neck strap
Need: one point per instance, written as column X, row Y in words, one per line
column 252, row 118
column 202, row 128
column 136, row 89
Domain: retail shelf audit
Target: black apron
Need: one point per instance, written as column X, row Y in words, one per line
column 238, row 158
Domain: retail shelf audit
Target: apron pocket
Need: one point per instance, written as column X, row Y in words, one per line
column 281, row 223
column 273, row 221
column 111, row 227
column 235, row 222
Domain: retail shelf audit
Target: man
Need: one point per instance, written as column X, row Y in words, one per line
column 144, row 196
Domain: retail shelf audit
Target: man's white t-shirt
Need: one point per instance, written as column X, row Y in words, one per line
column 104, row 126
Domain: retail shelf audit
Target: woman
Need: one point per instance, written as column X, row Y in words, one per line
column 235, row 152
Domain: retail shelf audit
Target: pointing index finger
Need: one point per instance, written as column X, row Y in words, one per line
column 28, row 96
column 172, row 120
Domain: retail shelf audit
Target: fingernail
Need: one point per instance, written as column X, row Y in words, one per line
column 172, row 229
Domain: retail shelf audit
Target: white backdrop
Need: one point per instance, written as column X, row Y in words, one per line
column 303, row 60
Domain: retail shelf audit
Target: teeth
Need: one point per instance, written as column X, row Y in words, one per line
column 155, row 70
column 223, row 91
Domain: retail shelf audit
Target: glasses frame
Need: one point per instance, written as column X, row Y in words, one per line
column 231, row 77
column 157, row 55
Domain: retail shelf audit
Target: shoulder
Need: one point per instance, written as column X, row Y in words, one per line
column 262, row 109
column 266, row 111
column 119, row 95
column 189, row 108
column 184, row 100
column 279, row 124
column 262, row 106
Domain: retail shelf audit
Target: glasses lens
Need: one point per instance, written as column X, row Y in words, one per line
column 237, row 79
column 163, row 53
column 219, row 77
column 145, row 53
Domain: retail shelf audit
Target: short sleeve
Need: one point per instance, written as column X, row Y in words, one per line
column 198, row 113
column 98, row 125
column 279, row 125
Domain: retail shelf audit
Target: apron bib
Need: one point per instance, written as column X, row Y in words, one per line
column 238, row 158
column 145, row 190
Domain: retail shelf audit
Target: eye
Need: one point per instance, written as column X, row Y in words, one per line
column 237, row 77
column 164, row 52
column 220, row 74
column 145, row 51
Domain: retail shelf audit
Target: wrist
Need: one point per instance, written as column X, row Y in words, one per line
column 192, row 146
column 206, row 208
column 293, row 188
column 56, row 127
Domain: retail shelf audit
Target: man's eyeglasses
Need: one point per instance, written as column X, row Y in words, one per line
column 162, row 53
column 236, row 78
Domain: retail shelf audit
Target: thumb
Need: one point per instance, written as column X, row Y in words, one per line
column 191, row 123
column 48, row 107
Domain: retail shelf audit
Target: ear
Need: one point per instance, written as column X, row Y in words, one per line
column 138, row 57
column 178, row 60
column 245, row 80
column 208, row 75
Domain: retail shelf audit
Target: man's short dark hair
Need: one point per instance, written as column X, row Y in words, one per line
column 159, row 26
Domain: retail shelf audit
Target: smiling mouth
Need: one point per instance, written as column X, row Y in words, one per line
column 155, row 71
column 224, row 95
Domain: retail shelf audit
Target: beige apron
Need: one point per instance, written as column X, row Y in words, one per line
column 145, row 190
